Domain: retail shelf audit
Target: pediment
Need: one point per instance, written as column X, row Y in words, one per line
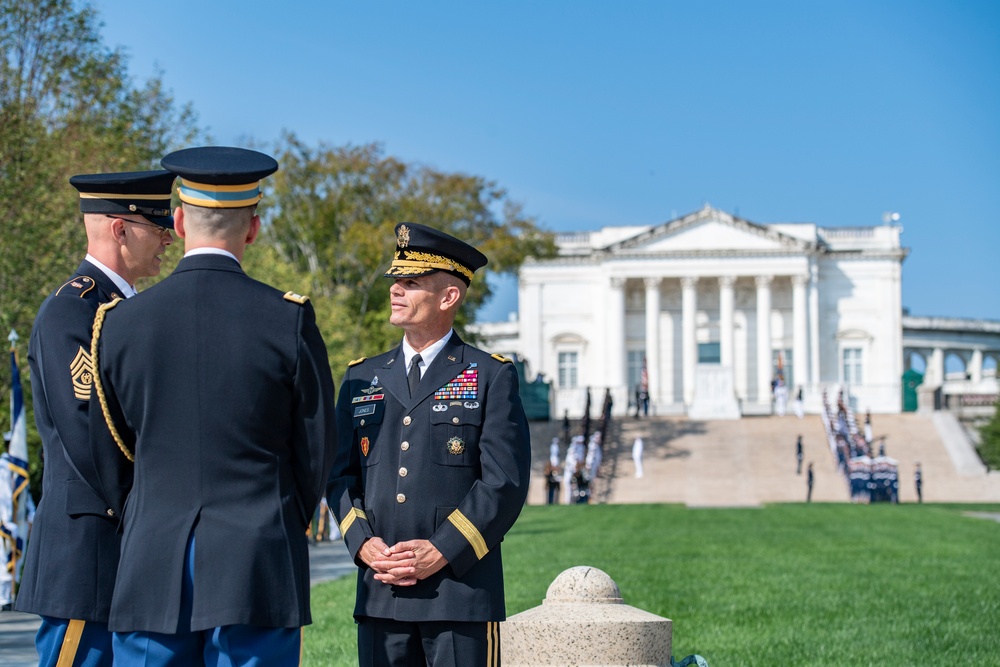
column 709, row 231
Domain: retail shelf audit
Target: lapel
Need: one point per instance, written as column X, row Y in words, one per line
column 392, row 376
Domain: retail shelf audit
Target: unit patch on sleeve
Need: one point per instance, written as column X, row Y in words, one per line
column 464, row 386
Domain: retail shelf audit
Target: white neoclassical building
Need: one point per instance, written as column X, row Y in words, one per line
column 716, row 307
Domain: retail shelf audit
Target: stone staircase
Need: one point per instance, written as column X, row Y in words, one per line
column 751, row 461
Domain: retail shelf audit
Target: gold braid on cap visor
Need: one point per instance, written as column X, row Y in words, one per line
column 426, row 260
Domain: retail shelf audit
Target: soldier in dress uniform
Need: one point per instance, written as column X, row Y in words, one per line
column 219, row 388
column 72, row 556
column 432, row 470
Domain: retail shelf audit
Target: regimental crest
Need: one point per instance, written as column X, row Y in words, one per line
column 81, row 370
column 403, row 236
column 365, row 445
column 456, row 446
column 464, row 386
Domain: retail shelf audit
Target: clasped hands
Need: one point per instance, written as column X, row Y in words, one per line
column 404, row 563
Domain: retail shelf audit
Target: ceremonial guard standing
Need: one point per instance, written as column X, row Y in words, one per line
column 72, row 556
column 219, row 388
column 432, row 470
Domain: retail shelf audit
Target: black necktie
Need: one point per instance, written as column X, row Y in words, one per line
column 413, row 377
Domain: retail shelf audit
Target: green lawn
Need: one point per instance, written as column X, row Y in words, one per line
column 786, row 585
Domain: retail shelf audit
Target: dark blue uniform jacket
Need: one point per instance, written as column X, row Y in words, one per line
column 72, row 556
column 449, row 465
column 221, row 389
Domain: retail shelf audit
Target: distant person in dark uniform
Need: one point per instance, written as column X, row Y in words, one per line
column 219, row 388
column 643, row 400
column 918, row 480
column 72, row 556
column 432, row 471
column 798, row 455
column 809, row 482
column 553, row 483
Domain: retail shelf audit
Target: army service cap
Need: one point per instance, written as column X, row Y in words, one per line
column 220, row 176
column 145, row 193
column 421, row 250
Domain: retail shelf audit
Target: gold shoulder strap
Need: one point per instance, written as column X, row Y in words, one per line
column 98, row 386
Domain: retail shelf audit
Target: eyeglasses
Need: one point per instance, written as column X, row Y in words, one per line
column 164, row 231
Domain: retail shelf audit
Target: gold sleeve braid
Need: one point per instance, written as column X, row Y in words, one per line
column 98, row 386
column 354, row 514
column 469, row 532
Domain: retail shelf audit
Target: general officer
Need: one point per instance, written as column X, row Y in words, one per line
column 219, row 388
column 72, row 556
column 432, row 470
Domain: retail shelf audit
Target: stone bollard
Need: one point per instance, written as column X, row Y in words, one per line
column 583, row 621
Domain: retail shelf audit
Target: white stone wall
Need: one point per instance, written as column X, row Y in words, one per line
column 592, row 301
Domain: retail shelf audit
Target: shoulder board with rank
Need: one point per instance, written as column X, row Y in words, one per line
column 502, row 359
column 355, row 362
column 79, row 285
column 295, row 298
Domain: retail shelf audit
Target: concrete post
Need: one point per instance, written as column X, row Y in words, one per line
column 584, row 621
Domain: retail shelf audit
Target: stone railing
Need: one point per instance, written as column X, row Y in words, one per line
column 584, row 621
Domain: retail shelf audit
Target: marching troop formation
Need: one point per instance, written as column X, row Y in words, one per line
column 871, row 479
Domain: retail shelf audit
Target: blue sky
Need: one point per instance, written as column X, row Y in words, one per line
column 632, row 112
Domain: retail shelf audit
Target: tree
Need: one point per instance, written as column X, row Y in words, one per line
column 331, row 212
column 67, row 106
column 989, row 439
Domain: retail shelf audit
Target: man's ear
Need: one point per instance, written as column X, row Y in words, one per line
column 118, row 230
column 179, row 222
column 254, row 229
column 452, row 297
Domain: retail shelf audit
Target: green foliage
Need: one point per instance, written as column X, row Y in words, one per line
column 794, row 585
column 989, row 435
column 67, row 106
column 331, row 213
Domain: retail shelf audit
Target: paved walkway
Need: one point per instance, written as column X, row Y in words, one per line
column 327, row 560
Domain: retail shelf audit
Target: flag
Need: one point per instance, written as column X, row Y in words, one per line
column 19, row 507
column 644, row 376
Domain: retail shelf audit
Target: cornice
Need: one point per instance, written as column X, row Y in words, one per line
column 709, row 213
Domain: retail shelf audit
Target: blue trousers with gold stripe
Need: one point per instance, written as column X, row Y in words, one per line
column 387, row 643
column 227, row 646
column 62, row 642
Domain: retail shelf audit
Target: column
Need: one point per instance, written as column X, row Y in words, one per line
column 799, row 332
column 726, row 320
column 975, row 367
column 653, row 338
column 813, row 377
column 689, row 328
column 764, row 339
column 530, row 322
column 616, row 336
column 935, row 368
